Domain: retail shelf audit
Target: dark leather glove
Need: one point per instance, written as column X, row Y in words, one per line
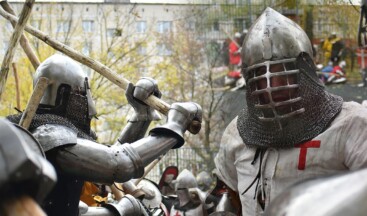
column 137, row 94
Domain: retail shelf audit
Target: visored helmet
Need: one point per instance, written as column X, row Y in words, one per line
column 66, row 78
column 269, row 54
column 185, row 180
column 286, row 103
column 204, row 180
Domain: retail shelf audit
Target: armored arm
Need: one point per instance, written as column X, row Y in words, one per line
column 25, row 175
column 144, row 114
column 120, row 163
column 127, row 206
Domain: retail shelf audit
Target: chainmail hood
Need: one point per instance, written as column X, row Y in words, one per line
column 73, row 114
column 320, row 107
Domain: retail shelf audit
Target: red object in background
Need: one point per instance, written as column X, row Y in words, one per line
column 234, row 74
column 234, row 57
column 359, row 57
column 170, row 170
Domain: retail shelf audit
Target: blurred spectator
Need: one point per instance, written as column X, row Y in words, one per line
column 333, row 48
column 225, row 52
column 235, row 52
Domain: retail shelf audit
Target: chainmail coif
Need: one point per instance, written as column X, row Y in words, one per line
column 75, row 117
column 320, row 106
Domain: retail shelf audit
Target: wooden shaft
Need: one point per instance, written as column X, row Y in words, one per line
column 16, row 78
column 18, row 31
column 102, row 69
column 33, row 102
column 24, row 43
column 148, row 169
column 21, row 206
column 230, row 37
column 116, row 191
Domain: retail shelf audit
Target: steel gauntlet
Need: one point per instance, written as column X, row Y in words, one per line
column 140, row 92
column 181, row 117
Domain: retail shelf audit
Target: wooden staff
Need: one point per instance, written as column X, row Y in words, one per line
column 16, row 78
column 116, row 190
column 21, row 206
column 148, row 169
column 102, row 69
column 33, row 102
column 18, row 30
column 24, row 43
column 230, row 37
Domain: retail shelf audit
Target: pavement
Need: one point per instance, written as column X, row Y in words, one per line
column 349, row 92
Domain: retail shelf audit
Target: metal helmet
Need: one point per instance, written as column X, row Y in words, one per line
column 185, row 180
column 274, row 39
column 153, row 197
column 284, row 96
column 66, row 78
column 204, row 180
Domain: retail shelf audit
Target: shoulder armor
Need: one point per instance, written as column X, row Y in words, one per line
column 51, row 136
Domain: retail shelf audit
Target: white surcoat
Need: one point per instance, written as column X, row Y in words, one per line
column 341, row 147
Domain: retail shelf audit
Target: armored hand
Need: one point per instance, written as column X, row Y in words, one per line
column 181, row 117
column 137, row 94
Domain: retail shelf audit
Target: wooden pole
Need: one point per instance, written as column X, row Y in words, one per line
column 18, row 30
column 24, row 43
column 148, row 169
column 152, row 101
column 116, row 190
column 16, row 78
column 33, row 102
column 21, row 206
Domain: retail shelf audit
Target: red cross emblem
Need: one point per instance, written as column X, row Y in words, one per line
column 303, row 152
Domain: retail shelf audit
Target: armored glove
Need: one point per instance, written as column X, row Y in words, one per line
column 181, row 117
column 128, row 206
column 137, row 94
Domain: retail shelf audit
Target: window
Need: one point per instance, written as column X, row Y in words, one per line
column 141, row 26
column 216, row 25
column 63, row 26
column 87, row 48
column 88, row 25
column 113, row 32
column 163, row 50
column 164, row 26
column 240, row 24
column 36, row 24
column 191, row 25
column 142, row 50
column 110, row 55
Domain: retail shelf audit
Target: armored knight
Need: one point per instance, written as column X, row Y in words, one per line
column 187, row 203
column 62, row 126
column 204, row 181
column 26, row 177
column 291, row 128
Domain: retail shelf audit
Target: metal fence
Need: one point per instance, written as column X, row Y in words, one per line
column 183, row 158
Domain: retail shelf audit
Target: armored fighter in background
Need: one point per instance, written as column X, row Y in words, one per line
column 291, row 128
column 26, row 177
column 187, row 203
column 62, row 126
